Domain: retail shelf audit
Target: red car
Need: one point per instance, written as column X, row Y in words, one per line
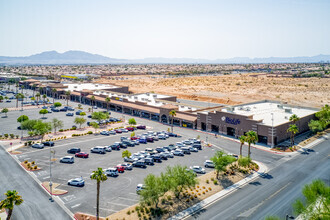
column 120, row 168
column 118, row 131
column 134, row 138
column 82, row 155
column 130, row 128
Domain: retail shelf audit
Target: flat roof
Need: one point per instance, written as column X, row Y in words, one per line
column 88, row 86
column 264, row 110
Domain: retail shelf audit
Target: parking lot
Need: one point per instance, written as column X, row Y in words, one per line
column 117, row 192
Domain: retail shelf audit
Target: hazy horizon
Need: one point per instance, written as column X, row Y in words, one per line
column 173, row 29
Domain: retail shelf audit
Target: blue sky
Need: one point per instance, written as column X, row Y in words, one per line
column 172, row 28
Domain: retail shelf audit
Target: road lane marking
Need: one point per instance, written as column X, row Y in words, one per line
column 119, row 204
column 129, row 199
column 74, row 206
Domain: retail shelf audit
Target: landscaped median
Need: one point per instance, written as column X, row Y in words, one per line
column 55, row 191
column 185, row 195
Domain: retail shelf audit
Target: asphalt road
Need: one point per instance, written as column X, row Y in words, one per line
column 275, row 193
column 36, row 203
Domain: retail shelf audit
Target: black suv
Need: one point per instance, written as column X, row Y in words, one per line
column 115, row 147
column 198, row 146
column 149, row 161
column 160, row 149
column 139, row 164
column 157, row 158
column 48, row 143
column 73, row 150
column 128, row 143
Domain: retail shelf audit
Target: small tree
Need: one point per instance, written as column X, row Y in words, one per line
column 315, row 126
column 57, row 124
column 41, row 128
column 317, row 201
column 22, row 118
column 80, row 121
column 79, row 106
column 131, row 121
column 133, row 134
column 82, row 114
column 43, row 112
column 53, row 94
column 57, row 104
column 221, row 161
column 99, row 176
column 153, row 190
column 38, row 98
column 5, row 110
column 92, row 102
column 94, row 125
column 28, row 125
column 99, row 116
column 67, row 94
column 8, row 203
column 126, row 153
column 44, row 96
column 107, row 100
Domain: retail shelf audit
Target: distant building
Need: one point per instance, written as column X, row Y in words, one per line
column 79, row 76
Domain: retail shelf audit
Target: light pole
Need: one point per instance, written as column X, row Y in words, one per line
column 272, row 130
column 50, row 172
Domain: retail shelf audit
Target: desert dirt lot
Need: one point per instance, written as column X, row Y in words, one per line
column 235, row 88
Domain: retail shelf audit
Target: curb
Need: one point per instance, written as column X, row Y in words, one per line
column 223, row 193
column 54, row 194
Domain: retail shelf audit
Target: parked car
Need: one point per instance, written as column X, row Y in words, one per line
column 168, row 154
column 124, row 130
column 209, row 163
column 187, row 142
column 149, row 161
column 19, row 128
column 63, row 109
column 163, row 156
column 82, row 155
column 115, row 146
column 198, row 169
column 172, row 134
column 192, row 149
column 127, row 166
column 112, row 132
column 76, row 182
column 143, row 140
column 108, row 148
column 185, row 150
column 78, row 112
column 162, row 136
column 70, row 108
column 43, row 107
column 120, row 168
column 150, row 139
column 55, row 110
column 143, row 127
column 134, row 138
column 69, row 114
column 139, row 163
column 160, row 149
column 178, row 152
column 73, row 150
column 129, row 159
column 128, row 143
column 111, row 172
column 118, row 131
column 39, row 146
column 67, row 159
column 104, row 133
column 139, row 187
column 156, row 158
column 121, row 145
column 130, row 128
column 197, row 146
column 48, row 143
column 98, row 149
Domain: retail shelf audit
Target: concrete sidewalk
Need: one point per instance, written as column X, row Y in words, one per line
column 214, row 198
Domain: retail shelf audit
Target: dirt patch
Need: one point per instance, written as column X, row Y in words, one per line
column 234, row 88
column 30, row 166
column 15, row 152
column 55, row 191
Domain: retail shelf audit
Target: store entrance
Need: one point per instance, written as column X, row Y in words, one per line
column 230, row 131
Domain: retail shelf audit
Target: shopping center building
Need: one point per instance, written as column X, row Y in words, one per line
column 270, row 119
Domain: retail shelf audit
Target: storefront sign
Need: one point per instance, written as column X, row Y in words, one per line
column 232, row 121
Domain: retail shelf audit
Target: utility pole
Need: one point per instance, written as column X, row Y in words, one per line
column 50, row 172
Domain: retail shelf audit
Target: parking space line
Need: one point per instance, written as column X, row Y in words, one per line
column 112, row 203
column 111, row 210
column 76, row 205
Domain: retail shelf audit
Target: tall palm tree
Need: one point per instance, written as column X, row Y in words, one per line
column 22, row 87
column 38, row 97
column 44, row 96
column 172, row 114
column 22, row 99
column 294, row 118
column 242, row 139
column 17, row 85
column 99, row 176
column 294, row 130
column 41, row 90
column 92, row 100
column 17, row 96
column 107, row 100
column 34, row 89
column 251, row 138
column 54, row 91
column 8, row 203
column 67, row 93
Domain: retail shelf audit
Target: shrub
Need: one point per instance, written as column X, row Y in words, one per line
column 64, row 137
column 244, row 161
column 147, row 210
column 25, row 144
column 25, row 161
column 171, row 203
column 199, row 194
column 142, row 210
column 203, row 192
column 187, row 200
column 203, row 187
column 210, row 188
column 139, row 214
column 89, row 132
column 197, row 186
column 207, row 181
column 163, row 201
column 195, row 196
column 17, row 136
column 215, row 182
column 196, row 190
column 35, row 167
column 212, row 179
column 61, row 130
column 32, row 162
column 206, row 190
column 128, row 212
column 6, row 135
column 169, row 197
column 137, row 208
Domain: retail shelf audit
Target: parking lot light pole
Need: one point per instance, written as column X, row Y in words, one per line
column 50, row 172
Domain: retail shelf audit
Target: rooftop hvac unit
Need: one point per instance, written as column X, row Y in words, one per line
column 280, row 106
column 240, row 108
column 288, row 110
column 230, row 109
column 154, row 96
column 286, row 117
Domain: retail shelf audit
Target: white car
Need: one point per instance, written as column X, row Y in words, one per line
column 139, row 187
column 111, row 172
column 209, row 163
column 98, row 149
column 67, row 159
column 178, row 152
column 39, row 146
column 198, row 169
column 162, row 136
column 76, row 182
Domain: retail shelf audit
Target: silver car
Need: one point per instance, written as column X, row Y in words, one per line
column 39, row 146
column 209, row 163
column 198, row 169
column 76, row 182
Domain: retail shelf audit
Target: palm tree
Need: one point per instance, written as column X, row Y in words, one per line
column 38, row 96
column 44, row 97
column 22, row 99
column 17, row 85
column 242, row 139
column 67, row 93
column 251, row 138
column 22, row 89
column 294, row 130
column 107, row 100
column 8, row 203
column 92, row 101
column 17, row 97
column 54, row 91
column 294, row 118
column 172, row 114
column 34, row 89
column 99, row 176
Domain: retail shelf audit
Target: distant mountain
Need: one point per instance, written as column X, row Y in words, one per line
column 80, row 57
column 53, row 57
